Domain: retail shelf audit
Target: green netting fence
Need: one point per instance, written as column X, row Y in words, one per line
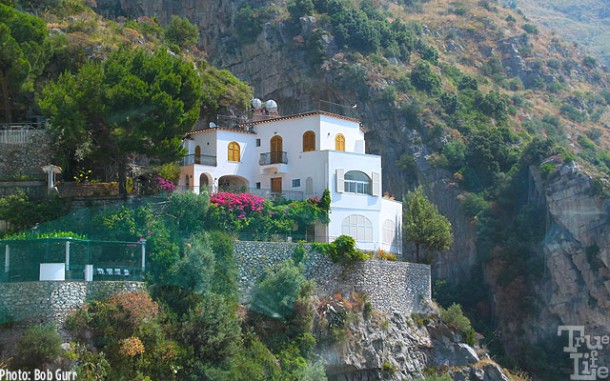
column 32, row 259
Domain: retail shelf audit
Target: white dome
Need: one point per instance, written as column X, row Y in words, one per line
column 256, row 103
column 271, row 105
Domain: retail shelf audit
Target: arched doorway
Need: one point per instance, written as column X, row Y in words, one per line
column 231, row 183
column 204, row 182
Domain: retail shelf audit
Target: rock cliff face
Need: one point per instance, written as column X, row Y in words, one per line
column 575, row 286
column 393, row 348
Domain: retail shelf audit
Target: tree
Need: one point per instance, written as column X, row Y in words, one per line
column 424, row 225
column 181, row 32
column 22, row 53
column 423, row 78
column 277, row 291
column 136, row 102
column 39, row 346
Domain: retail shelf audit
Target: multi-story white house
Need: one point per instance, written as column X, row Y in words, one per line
column 300, row 156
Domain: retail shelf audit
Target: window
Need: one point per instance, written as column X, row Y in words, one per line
column 357, row 182
column 276, row 149
column 308, row 185
column 234, row 151
column 389, row 231
column 358, row 227
column 339, row 142
column 296, row 183
column 197, row 155
column 258, row 185
column 258, row 142
column 309, row 141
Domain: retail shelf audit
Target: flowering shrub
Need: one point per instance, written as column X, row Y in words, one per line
column 234, row 212
column 384, row 255
column 83, row 176
column 239, row 203
column 247, row 213
column 137, row 306
column 131, row 347
column 165, row 185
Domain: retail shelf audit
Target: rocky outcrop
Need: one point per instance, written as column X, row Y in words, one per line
column 393, row 347
column 574, row 288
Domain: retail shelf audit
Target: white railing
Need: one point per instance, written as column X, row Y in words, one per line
column 18, row 133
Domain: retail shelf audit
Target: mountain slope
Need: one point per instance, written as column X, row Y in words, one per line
column 458, row 97
column 585, row 22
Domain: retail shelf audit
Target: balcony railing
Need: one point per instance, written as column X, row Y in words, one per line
column 199, row 159
column 269, row 158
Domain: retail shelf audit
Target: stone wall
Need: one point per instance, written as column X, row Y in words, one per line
column 18, row 160
column 47, row 301
column 389, row 286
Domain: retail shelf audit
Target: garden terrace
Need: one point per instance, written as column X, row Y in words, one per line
column 71, row 259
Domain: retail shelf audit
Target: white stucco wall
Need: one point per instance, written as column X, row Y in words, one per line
column 320, row 166
column 215, row 142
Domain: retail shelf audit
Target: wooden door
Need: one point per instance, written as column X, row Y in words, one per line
column 276, row 185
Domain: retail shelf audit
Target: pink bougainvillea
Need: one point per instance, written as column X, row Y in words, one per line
column 165, row 185
column 243, row 202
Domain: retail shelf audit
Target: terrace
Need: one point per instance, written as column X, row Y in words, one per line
column 65, row 259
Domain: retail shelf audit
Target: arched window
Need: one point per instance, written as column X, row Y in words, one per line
column 309, row 141
column 308, row 185
column 198, row 155
column 357, row 182
column 358, row 227
column 339, row 142
column 276, row 149
column 389, row 231
column 234, row 152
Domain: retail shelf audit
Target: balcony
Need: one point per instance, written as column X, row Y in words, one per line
column 208, row 160
column 273, row 162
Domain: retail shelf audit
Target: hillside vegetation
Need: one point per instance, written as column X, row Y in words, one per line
column 584, row 22
column 470, row 94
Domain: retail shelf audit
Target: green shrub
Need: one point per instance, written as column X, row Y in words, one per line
column 278, row 289
column 454, row 317
column 474, row 204
column 181, row 32
column 586, row 143
column 424, row 79
column 387, row 367
column 299, row 253
column 572, row 113
column 39, row 347
column 530, row 28
column 342, row 250
column 248, row 25
column 589, row 62
column 546, row 170
column 594, row 134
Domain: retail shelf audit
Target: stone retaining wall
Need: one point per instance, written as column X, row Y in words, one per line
column 389, row 286
column 47, row 301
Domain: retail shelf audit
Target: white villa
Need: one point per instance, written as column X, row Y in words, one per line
column 297, row 157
